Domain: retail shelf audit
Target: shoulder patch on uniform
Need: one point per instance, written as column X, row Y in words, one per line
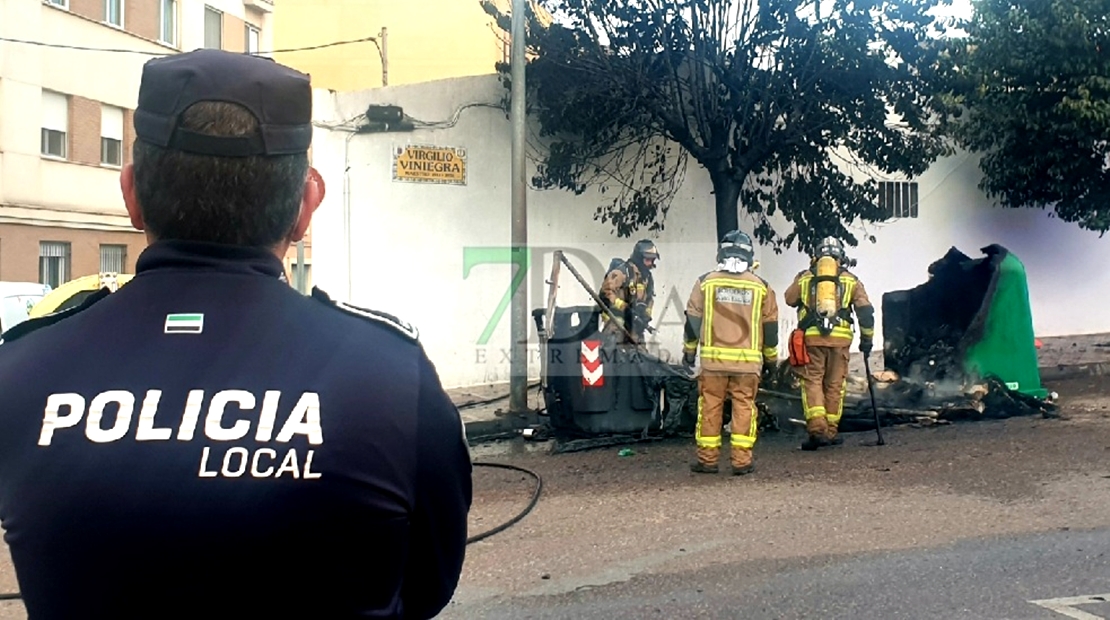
column 32, row 325
column 383, row 318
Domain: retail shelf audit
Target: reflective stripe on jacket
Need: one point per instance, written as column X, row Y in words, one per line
column 852, row 296
column 734, row 319
column 624, row 287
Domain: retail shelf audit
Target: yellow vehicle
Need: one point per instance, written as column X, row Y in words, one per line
column 72, row 293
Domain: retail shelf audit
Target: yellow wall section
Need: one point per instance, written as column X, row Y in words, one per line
column 427, row 40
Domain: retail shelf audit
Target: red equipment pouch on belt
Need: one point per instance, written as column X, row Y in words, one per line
column 799, row 355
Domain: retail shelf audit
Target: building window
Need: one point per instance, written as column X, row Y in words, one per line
column 113, row 258
column 111, row 135
column 252, row 37
column 62, row 3
column 168, row 21
column 55, row 124
column 213, row 28
column 54, row 263
column 113, row 12
column 898, row 199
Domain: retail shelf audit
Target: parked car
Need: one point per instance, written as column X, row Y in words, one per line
column 73, row 293
column 16, row 301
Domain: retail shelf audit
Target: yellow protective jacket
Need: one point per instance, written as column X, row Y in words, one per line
column 734, row 318
column 623, row 288
column 853, row 297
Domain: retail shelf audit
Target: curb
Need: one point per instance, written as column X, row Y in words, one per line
column 1074, row 371
column 477, row 430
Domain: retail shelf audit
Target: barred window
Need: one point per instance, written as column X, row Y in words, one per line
column 54, row 259
column 898, row 199
column 113, row 258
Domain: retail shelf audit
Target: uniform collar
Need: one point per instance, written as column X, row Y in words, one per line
column 209, row 256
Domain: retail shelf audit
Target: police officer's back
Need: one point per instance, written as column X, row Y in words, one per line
column 206, row 441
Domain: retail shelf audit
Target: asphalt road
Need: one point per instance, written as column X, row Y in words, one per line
column 967, row 521
column 1003, row 578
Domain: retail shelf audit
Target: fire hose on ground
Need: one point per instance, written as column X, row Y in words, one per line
column 15, row 596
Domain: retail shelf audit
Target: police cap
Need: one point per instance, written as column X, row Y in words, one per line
column 279, row 97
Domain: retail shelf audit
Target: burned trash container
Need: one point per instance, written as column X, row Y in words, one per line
column 970, row 321
column 595, row 386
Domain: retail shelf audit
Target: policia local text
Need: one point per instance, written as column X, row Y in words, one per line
column 303, row 419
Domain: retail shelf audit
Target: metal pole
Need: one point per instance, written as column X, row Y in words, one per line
column 383, row 52
column 347, row 212
column 518, row 360
column 301, row 288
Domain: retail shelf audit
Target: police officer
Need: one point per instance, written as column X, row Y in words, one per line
column 629, row 289
column 732, row 316
column 205, row 441
column 827, row 338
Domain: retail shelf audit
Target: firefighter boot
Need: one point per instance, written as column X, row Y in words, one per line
column 818, row 430
column 707, row 461
column 741, row 461
column 702, row 468
column 833, row 437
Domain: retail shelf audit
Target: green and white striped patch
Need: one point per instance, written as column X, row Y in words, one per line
column 184, row 323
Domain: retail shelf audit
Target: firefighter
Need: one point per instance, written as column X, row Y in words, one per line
column 826, row 295
column 732, row 314
column 629, row 290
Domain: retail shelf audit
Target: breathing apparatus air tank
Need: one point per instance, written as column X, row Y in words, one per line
column 827, row 300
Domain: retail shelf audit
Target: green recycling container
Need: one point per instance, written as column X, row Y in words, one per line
column 1006, row 346
column 971, row 319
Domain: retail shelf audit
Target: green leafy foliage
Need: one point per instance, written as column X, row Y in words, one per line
column 1030, row 91
column 791, row 107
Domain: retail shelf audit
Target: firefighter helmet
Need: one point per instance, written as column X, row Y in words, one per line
column 736, row 244
column 831, row 246
column 645, row 250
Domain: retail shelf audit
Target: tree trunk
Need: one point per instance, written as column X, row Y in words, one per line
column 726, row 194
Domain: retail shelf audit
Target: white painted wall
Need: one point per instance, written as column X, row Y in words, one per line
column 408, row 241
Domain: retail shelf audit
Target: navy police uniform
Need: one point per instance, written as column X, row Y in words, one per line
column 206, row 442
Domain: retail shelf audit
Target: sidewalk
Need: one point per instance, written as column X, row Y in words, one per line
column 1059, row 358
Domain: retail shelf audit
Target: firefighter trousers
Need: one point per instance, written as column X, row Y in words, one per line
column 824, row 379
column 713, row 389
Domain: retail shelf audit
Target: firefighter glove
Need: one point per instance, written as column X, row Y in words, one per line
column 640, row 318
column 768, row 373
column 688, row 359
column 865, row 346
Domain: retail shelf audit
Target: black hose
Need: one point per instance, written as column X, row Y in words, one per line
column 490, row 401
column 511, row 522
column 15, row 596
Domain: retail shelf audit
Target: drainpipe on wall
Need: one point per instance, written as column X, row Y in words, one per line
column 347, row 211
column 300, row 267
column 384, row 53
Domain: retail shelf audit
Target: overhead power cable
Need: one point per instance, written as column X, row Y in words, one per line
column 454, row 117
column 82, row 48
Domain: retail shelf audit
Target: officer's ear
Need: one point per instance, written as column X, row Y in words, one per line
column 130, row 199
column 313, row 195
